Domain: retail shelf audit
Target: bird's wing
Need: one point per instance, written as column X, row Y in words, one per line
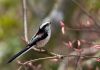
column 39, row 31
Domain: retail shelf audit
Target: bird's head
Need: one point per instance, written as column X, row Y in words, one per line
column 46, row 26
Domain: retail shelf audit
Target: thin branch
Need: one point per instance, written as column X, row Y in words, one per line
column 25, row 20
column 52, row 57
column 57, row 56
column 19, row 68
column 38, row 12
column 86, row 12
column 78, row 60
column 45, row 58
column 78, row 29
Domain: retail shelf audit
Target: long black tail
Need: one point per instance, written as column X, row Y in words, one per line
column 27, row 48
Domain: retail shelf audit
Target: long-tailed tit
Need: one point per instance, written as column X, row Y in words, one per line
column 39, row 40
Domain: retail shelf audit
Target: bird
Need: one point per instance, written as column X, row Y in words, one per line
column 39, row 40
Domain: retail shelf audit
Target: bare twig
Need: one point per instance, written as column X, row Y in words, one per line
column 25, row 20
column 34, row 8
column 56, row 57
column 45, row 58
column 84, row 55
column 78, row 29
column 52, row 57
column 86, row 12
column 20, row 68
column 78, row 61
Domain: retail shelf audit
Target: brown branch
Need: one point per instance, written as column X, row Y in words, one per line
column 77, row 29
column 19, row 68
column 86, row 12
column 31, row 61
column 25, row 20
column 57, row 56
column 78, row 60
column 35, row 9
column 84, row 54
column 45, row 58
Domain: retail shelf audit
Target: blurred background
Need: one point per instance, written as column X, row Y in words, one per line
column 82, row 22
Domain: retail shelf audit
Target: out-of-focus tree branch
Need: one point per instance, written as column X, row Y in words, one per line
column 85, row 52
column 87, row 13
column 35, row 9
column 55, row 56
column 56, row 14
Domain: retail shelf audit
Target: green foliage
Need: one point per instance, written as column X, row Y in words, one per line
column 9, row 29
column 98, row 5
column 8, row 48
column 93, row 4
column 7, row 25
column 7, row 22
column 8, row 3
